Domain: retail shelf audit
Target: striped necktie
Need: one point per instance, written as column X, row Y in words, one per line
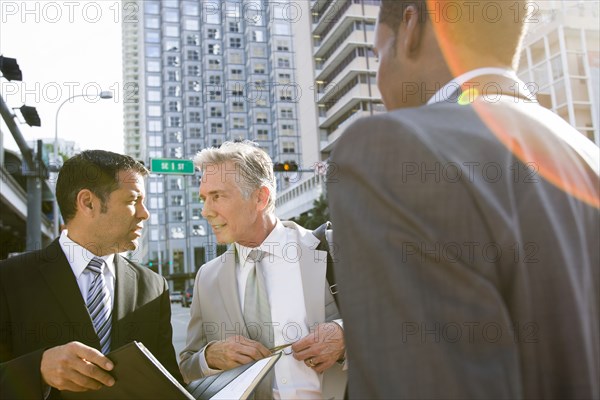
column 98, row 303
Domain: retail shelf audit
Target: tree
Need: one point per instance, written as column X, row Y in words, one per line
column 315, row 217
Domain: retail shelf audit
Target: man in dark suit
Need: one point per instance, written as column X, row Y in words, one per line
column 48, row 341
column 466, row 218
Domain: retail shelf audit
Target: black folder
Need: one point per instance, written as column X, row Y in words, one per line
column 139, row 375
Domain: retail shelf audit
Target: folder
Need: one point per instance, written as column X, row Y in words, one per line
column 139, row 375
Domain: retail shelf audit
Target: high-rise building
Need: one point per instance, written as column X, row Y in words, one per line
column 340, row 83
column 198, row 73
column 561, row 61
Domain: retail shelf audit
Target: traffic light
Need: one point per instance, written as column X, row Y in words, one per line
column 31, row 115
column 287, row 166
column 150, row 264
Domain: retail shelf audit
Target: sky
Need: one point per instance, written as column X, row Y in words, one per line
column 65, row 48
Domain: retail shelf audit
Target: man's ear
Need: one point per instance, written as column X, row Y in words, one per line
column 411, row 28
column 86, row 202
column 263, row 198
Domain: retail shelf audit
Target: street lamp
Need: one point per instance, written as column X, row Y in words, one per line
column 102, row 95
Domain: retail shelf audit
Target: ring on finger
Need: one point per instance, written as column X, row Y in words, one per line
column 311, row 363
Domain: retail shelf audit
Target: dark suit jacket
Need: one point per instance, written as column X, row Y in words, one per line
column 41, row 307
column 468, row 253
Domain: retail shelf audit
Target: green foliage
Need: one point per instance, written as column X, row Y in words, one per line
column 315, row 217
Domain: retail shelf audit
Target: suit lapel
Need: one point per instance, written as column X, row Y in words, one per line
column 59, row 277
column 228, row 287
column 125, row 289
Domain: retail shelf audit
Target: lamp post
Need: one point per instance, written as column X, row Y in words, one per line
column 102, row 95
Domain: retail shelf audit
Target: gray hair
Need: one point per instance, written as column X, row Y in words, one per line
column 254, row 165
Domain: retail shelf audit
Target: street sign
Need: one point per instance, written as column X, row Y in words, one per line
column 171, row 166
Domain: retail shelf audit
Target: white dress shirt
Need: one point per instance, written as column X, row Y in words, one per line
column 281, row 271
column 79, row 258
column 455, row 84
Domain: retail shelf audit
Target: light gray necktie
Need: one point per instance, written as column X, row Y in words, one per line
column 98, row 303
column 257, row 315
column 257, row 311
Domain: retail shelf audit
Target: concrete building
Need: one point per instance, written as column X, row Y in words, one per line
column 341, row 84
column 198, row 73
column 561, row 61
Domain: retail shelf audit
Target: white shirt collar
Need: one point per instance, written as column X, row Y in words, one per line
column 272, row 245
column 455, row 84
column 79, row 257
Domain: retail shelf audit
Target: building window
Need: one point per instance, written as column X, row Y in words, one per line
column 194, row 86
column 173, row 61
column 235, row 57
column 174, row 122
column 176, row 152
column 259, row 68
column 194, row 132
column 194, row 116
column 239, row 123
column 261, row 118
column 173, row 91
column 195, row 148
column 287, row 129
column 172, row 76
column 234, row 27
column 282, row 45
column 236, row 74
column 258, row 36
column 176, row 184
column 194, row 101
column 289, row 147
column 235, row 43
column 237, row 106
column 216, row 127
column 283, row 62
column 193, row 55
column 287, row 113
column 193, row 70
column 213, row 33
column 214, row 80
column 175, row 137
column 177, row 200
column 214, row 64
column 193, row 40
column 214, row 49
column 262, row 134
column 285, row 94
column 177, row 233
column 284, row 78
column 214, row 95
column 196, row 213
column 174, row 106
column 217, row 142
column 216, row 112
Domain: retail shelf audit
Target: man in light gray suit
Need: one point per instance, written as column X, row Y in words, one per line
column 466, row 219
column 238, row 190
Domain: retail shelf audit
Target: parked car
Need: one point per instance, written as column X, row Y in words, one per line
column 176, row 296
column 186, row 298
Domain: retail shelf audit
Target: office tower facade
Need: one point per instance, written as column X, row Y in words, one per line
column 343, row 84
column 561, row 61
column 198, row 73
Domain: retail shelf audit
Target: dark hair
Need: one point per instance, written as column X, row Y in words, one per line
column 95, row 170
column 487, row 26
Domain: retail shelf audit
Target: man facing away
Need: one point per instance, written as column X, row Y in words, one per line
column 270, row 260
column 466, row 218
column 65, row 306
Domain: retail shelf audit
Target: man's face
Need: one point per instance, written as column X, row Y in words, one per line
column 389, row 73
column 232, row 217
column 120, row 225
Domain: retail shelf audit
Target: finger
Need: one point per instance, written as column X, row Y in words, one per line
column 92, row 371
column 80, row 383
column 94, row 356
column 303, row 343
column 253, row 350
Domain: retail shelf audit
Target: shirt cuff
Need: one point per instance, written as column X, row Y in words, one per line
column 343, row 362
column 206, row 370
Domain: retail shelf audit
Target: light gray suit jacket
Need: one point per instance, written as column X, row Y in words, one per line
column 217, row 314
column 468, row 247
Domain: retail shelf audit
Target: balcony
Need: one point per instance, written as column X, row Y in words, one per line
column 362, row 91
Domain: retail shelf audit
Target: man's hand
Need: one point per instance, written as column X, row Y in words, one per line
column 233, row 352
column 76, row 367
column 322, row 348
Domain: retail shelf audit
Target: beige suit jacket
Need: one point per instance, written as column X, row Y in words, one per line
column 216, row 312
